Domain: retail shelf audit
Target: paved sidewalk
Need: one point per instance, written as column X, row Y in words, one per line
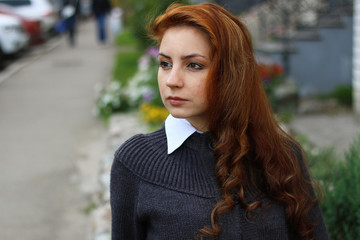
column 328, row 130
column 51, row 142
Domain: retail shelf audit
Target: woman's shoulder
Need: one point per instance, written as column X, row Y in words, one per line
column 141, row 144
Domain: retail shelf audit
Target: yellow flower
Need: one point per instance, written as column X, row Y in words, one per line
column 153, row 114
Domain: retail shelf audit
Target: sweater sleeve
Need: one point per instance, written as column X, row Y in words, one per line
column 320, row 232
column 124, row 187
column 315, row 214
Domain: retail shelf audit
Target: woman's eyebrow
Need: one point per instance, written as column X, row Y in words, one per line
column 184, row 57
column 163, row 55
column 192, row 56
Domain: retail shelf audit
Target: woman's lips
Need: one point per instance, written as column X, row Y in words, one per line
column 176, row 101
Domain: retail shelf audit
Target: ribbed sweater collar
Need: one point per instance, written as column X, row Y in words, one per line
column 189, row 169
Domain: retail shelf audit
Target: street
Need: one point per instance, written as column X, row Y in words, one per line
column 50, row 139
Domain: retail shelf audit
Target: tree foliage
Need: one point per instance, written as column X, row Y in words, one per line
column 140, row 12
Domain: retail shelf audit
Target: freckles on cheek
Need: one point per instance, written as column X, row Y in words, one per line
column 199, row 90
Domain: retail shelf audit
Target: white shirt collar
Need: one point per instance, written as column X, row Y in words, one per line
column 177, row 131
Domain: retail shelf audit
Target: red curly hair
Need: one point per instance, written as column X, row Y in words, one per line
column 253, row 154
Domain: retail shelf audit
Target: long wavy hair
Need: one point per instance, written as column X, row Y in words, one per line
column 253, row 154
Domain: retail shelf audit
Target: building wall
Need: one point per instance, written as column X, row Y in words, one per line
column 356, row 59
column 320, row 66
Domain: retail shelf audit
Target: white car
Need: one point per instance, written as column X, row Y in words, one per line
column 13, row 38
column 43, row 10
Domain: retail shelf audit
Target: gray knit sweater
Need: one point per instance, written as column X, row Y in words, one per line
column 170, row 197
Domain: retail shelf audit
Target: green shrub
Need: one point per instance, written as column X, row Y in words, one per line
column 134, row 83
column 125, row 38
column 141, row 12
column 322, row 161
column 125, row 67
column 341, row 206
column 114, row 98
column 342, row 93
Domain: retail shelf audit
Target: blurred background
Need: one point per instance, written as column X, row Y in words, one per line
column 66, row 105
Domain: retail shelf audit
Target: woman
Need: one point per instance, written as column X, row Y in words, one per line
column 221, row 167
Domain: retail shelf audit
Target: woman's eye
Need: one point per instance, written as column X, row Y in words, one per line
column 196, row 66
column 164, row 64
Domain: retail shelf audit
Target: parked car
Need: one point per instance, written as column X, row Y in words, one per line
column 43, row 10
column 31, row 25
column 13, row 38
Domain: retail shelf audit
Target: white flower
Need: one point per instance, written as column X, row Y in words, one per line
column 114, row 86
column 106, row 98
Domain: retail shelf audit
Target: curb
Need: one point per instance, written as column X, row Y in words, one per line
column 121, row 127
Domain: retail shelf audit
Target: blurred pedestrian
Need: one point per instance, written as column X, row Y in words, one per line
column 220, row 167
column 70, row 10
column 100, row 10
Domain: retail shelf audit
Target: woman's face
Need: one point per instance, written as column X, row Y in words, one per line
column 184, row 60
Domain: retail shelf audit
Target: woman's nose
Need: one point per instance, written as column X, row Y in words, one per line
column 175, row 78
